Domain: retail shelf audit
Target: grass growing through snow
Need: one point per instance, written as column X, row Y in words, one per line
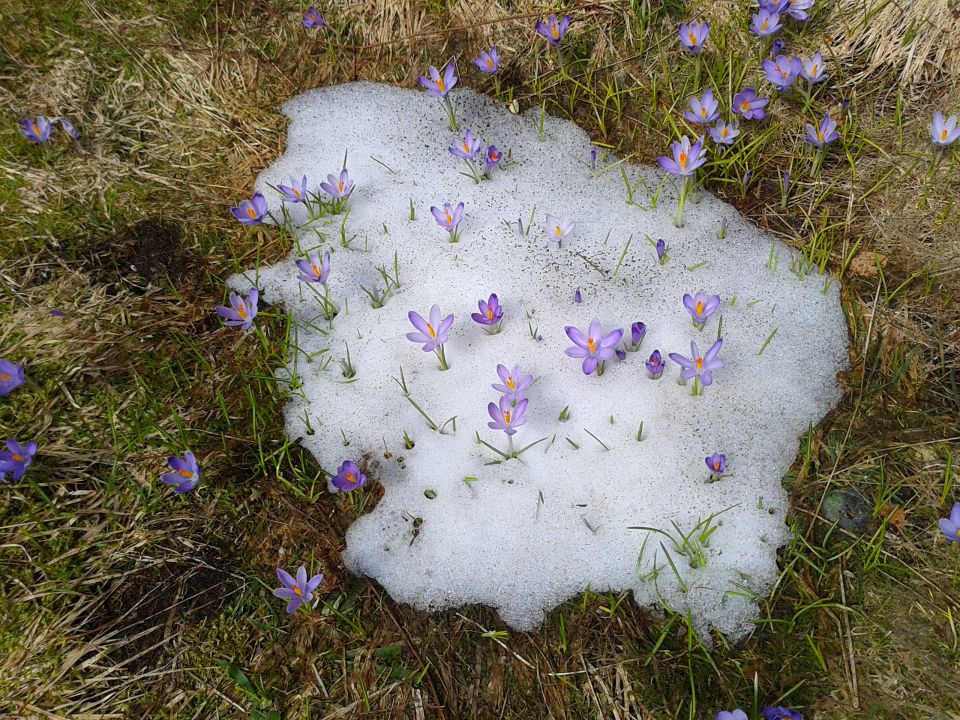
column 119, row 598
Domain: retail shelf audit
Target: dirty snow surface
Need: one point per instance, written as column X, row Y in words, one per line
column 457, row 524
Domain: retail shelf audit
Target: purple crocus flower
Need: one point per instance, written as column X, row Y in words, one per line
column 12, row 376
column 747, row 105
column 661, row 251
column 488, row 62
column 701, row 306
column 814, row 69
column 296, row 591
column 294, row 192
column 771, row 712
column 716, row 464
column 554, row 30
column 686, row 157
column 782, row 71
column 69, row 128
column 348, row 477
column 468, row 148
column 252, row 211
column 774, row 6
column 312, row 18
column 242, row 311
column 492, row 158
column 577, row 297
column 513, row 383
column 438, row 85
column 737, row 714
column 950, row 525
column 36, row 130
column 777, row 46
column 336, row 188
column 557, row 228
column 765, row 23
column 697, row 365
column 826, row 133
column 430, row 334
column 16, row 459
column 594, row 347
column 724, row 133
column 702, row 110
column 448, row 218
column 490, row 311
column 797, row 9
column 593, row 159
column 506, row 416
column 638, row 331
column 186, row 473
column 655, row 365
column 693, row 35
column 944, row 132
column 314, row 270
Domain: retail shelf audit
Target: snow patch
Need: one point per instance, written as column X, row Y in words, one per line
column 456, row 527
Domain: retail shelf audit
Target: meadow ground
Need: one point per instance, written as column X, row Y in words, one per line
column 121, row 600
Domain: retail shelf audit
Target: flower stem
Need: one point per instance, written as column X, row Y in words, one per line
column 442, row 357
column 448, row 105
column 681, row 201
column 510, row 445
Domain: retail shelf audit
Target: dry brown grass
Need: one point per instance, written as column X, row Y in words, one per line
column 117, row 600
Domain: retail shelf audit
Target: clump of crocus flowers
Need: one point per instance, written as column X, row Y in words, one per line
column 242, row 311
column 686, row 159
column 12, row 376
column 16, row 459
column 186, row 473
column 693, row 35
column 594, row 347
column 488, row 62
column 439, row 84
column 349, row 477
column 950, row 525
column 557, row 228
column 252, row 211
column 716, row 465
column 490, row 314
column 339, row 189
column 699, row 367
column 701, row 306
column 297, row 590
column 431, row 333
column 449, row 218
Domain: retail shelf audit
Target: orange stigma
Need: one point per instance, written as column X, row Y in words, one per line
column 699, row 362
column 592, row 344
column 251, row 212
column 683, row 159
column 242, row 311
column 185, row 473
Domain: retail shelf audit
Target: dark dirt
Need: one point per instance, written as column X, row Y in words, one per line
column 145, row 253
column 150, row 605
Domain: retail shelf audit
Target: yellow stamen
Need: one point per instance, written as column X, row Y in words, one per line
column 5, row 376
column 36, row 129
column 724, row 132
column 819, row 136
column 592, row 344
column 746, row 105
column 699, row 362
column 449, row 218
column 683, row 160
column 813, row 70
column 693, row 39
column 558, row 230
column 316, row 270
column 506, row 417
column 297, row 590
column 716, row 465
column 699, row 306
column 433, row 333
column 489, row 62
column 351, row 478
column 16, row 458
column 296, row 192
column 340, row 186
column 943, row 135
column 510, row 383
column 242, row 311
column 440, row 84
column 489, row 313
column 185, row 473
column 555, row 31
column 764, row 26
column 703, row 112
column 251, row 212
